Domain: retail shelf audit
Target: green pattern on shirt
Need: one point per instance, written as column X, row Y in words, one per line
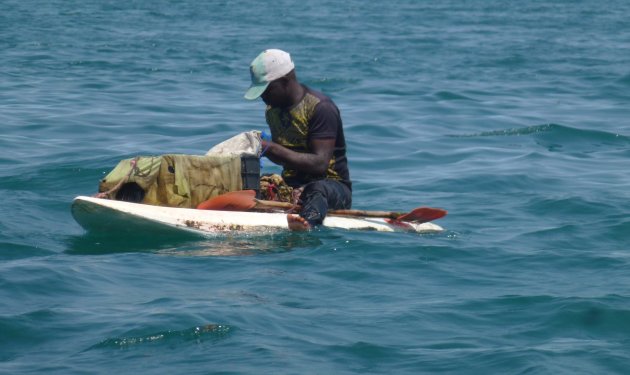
column 289, row 128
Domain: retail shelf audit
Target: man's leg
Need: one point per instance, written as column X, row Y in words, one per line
column 319, row 196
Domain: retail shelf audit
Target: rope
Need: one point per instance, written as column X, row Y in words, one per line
column 108, row 194
column 266, row 137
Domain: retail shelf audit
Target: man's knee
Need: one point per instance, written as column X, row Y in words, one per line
column 336, row 194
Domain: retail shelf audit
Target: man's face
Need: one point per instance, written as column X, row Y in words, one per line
column 277, row 93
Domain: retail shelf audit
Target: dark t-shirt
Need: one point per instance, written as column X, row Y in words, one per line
column 315, row 117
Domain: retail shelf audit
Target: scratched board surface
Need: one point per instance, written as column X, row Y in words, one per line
column 511, row 115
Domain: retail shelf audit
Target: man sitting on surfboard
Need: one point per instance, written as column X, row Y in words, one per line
column 306, row 138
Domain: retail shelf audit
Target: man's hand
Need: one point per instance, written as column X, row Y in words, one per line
column 315, row 162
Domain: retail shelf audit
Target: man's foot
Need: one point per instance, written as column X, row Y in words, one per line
column 297, row 223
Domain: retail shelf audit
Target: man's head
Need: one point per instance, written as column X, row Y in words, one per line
column 272, row 72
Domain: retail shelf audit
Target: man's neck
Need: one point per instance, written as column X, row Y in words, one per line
column 297, row 93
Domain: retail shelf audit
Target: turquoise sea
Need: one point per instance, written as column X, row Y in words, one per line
column 514, row 116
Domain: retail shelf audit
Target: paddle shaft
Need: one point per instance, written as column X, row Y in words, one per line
column 243, row 200
column 286, row 205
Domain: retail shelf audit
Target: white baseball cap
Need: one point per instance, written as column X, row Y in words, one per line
column 270, row 65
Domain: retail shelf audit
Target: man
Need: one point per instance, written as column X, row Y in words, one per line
column 306, row 138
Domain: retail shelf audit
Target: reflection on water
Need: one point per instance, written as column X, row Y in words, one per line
column 239, row 244
column 90, row 243
column 246, row 245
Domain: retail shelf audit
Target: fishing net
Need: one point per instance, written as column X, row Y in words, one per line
column 176, row 180
column 273, row 188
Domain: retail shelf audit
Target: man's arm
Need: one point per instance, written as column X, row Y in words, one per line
column 315, row 162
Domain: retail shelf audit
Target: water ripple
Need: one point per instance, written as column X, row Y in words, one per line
column 207, row 332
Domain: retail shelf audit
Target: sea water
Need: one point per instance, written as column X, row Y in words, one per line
column 513, row 116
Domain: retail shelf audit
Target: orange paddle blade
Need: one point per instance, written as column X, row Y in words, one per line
column 242, row 200
column 423, row 215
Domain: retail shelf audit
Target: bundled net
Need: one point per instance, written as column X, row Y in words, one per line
column 176, row 180
column 173, row 180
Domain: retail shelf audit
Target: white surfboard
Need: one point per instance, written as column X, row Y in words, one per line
column 111, row 216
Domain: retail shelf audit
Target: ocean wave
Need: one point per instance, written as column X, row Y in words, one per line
column 449, row 95
column 571, row 316
column 568, row 206
column 557, row 129
column 12, row 250
column 197, row 334
column 561, row 138
column 607, row 316
column 23, row 332
column 618, row 232
column 625, row 80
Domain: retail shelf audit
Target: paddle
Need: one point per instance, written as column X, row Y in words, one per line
column 420, row 214
column 244, row 200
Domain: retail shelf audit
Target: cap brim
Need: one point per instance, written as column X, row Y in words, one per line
column 255, row 91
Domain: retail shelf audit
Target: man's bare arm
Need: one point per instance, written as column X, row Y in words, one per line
column 315, row 162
